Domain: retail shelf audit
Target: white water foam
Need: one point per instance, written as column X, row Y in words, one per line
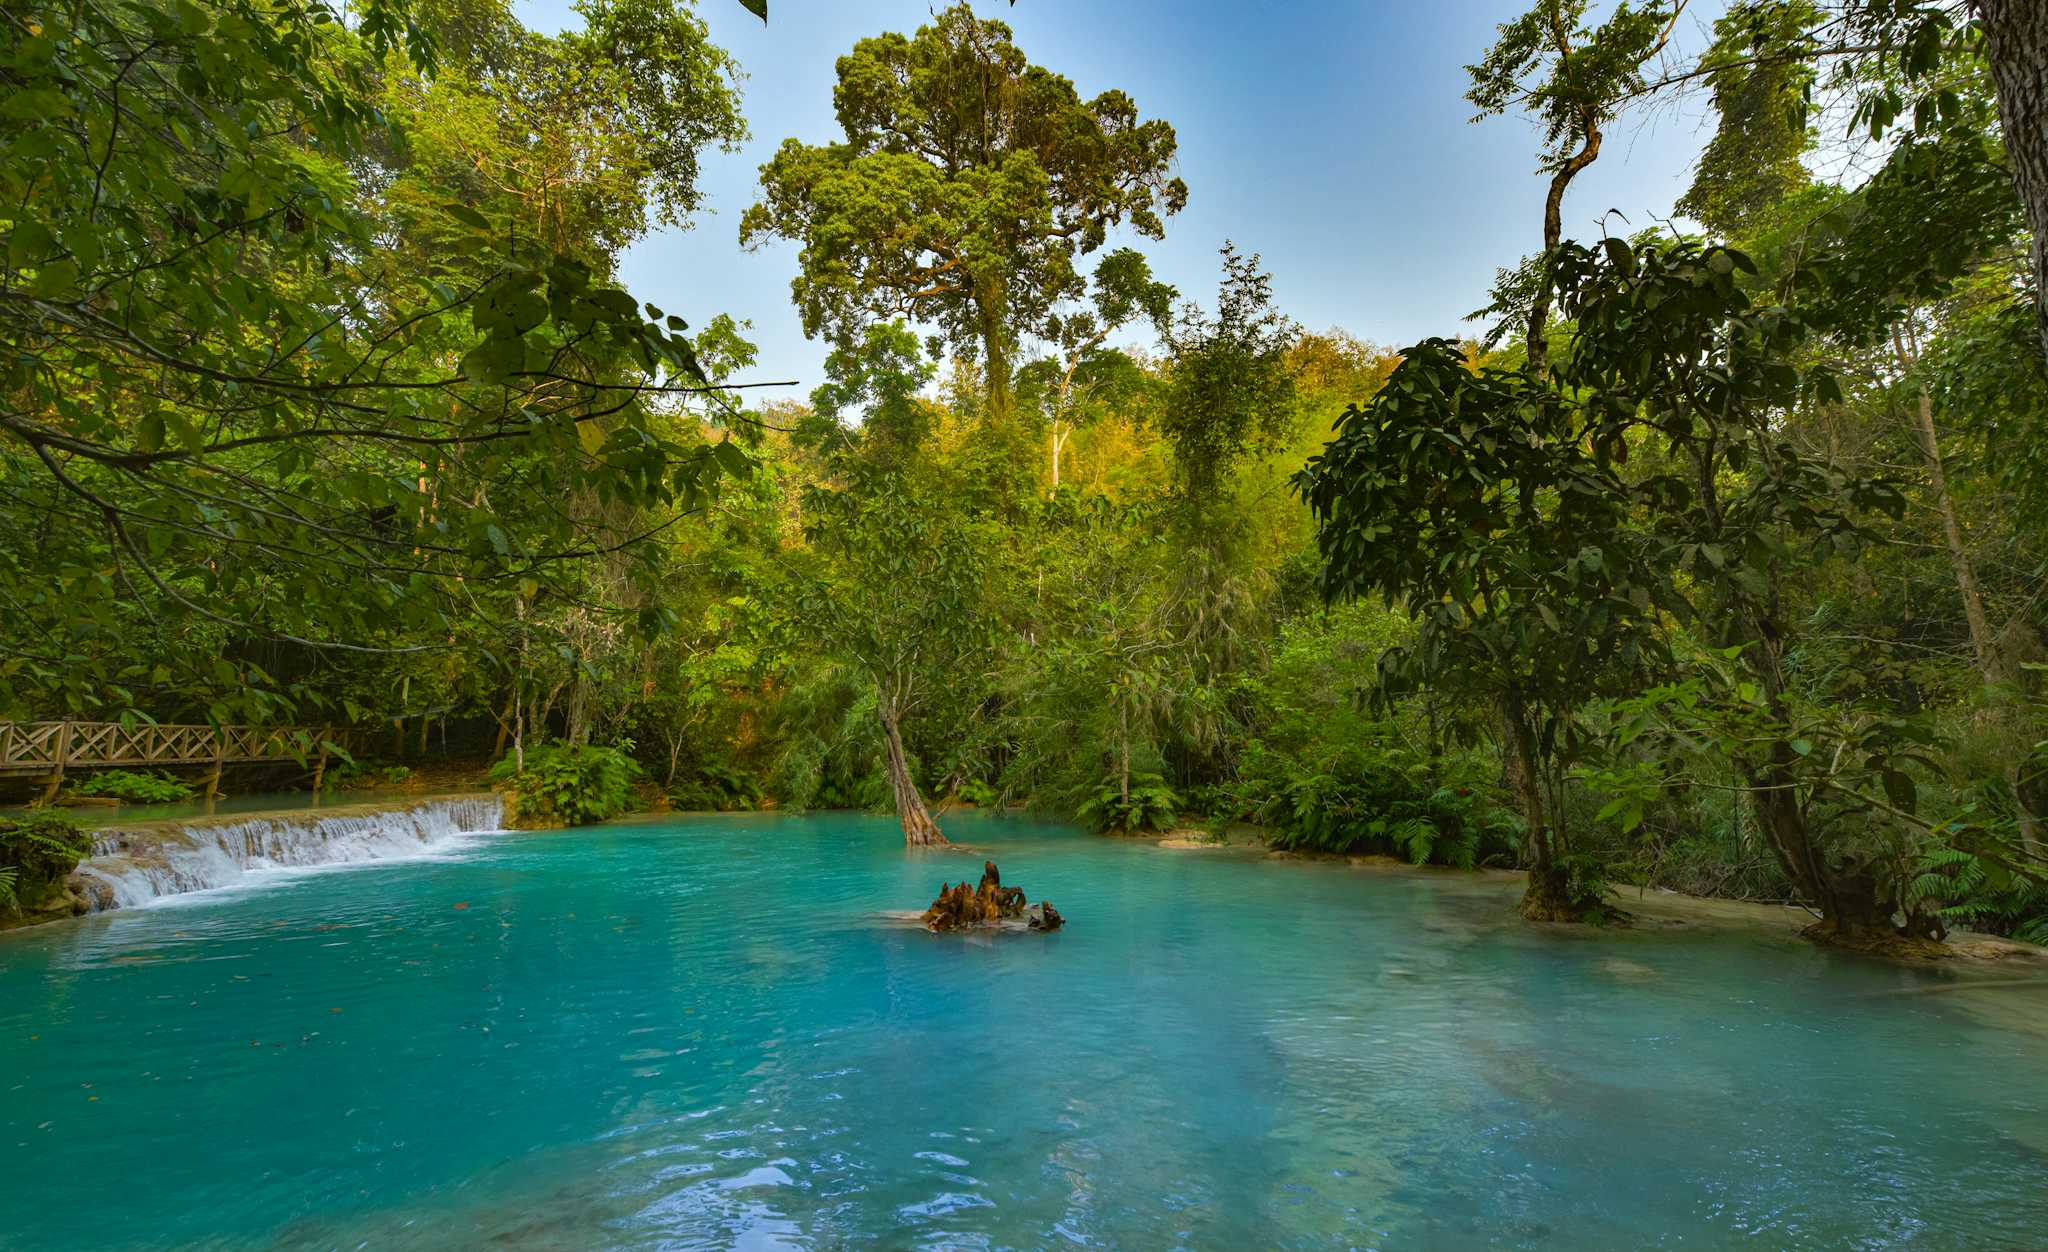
column 131, row 870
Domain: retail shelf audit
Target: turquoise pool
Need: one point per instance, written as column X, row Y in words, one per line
column 700, row 1033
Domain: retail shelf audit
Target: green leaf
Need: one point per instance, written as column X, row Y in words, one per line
column 1898, row 785
column 27, row 242
column 732, row 458
column 759, row 8
column 466, row 215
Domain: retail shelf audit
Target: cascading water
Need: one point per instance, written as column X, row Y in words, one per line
column 132, row 867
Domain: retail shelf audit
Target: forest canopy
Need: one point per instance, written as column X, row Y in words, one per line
column 1713, row 557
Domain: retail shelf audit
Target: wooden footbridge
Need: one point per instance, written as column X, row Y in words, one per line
column 49, row 750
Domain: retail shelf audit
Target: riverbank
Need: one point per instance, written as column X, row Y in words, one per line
column 1650, row 910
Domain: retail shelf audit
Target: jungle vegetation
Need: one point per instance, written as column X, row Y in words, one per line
column 1709, row 556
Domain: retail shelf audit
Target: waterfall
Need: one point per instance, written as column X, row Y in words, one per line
column 141, row 864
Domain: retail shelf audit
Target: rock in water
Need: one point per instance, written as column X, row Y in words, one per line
column 1043, row 916
column 988, row 903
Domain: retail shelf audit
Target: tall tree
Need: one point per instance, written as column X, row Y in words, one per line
column 1573, row 78
column 2016, row 44
column 967, row 184
column 1760, row 84
column 252, row 430
column 901, row 602
column 1122, row 290
column 1482, row 501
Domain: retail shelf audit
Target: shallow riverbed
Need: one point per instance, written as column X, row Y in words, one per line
column 704, row 1032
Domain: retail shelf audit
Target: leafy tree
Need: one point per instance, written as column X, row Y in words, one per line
column 581, row 140
column 966, row 186
column 1573, row 78
column 901, row 603
column 1086, row 377
column 870, row 398
column 1761, row 84
column 1489, row 505
column 249, row 432
column 1229, row 390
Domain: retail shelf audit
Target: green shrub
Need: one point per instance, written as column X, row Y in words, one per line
column 37, row 850
column 979, row 794
column 134, row 787
column 716, row 788
column 1366, row 799
column 1150, row 806
column 575, row 784
column 869, row 793
column 362, row 775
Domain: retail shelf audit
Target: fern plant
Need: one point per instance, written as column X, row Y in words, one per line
column 134, row 787
column 1149, row 806
column 1962, row 889
column 37, row 850
column 717, row 788
column 575, row 784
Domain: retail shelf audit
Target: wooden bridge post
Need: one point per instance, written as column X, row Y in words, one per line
column 320, row 768
column 62, row 755
column 220, row 754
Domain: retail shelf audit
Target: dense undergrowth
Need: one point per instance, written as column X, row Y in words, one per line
column 37, row 851
column 1714, row 557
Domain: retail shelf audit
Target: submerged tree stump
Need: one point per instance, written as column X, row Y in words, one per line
column 988, row 903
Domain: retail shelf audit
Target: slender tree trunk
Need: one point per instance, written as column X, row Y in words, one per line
column 1123, row 722
column 919, row 830
column 505, row 725
column 1991, row 659
column 1548, row 896
column 1538, row 336
column 2016, row 43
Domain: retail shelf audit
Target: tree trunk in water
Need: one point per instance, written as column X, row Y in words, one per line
column 2016, row 43
column 1854, row 912
column 1549, row 896
column 919, row 830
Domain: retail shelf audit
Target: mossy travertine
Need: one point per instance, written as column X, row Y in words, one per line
column 130, row 864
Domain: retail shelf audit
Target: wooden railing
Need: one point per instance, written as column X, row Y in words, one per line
column 53, row 748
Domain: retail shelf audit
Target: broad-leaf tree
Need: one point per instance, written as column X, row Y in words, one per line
column 966, row 186
column 901, row 602
column 248, row 428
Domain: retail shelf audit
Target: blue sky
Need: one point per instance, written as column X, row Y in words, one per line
column 1330, row 136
